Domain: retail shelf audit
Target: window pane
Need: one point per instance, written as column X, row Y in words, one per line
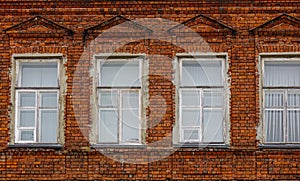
column 293, row 126
column 120, row 73
column 48, row 126
column 191, row 135
column 282, row 74
column 199, row 73
column 293, row 99
column 274, row 125
column 49, row 99
column 108, row 99
column 130, row 125
column 27, row 99
column 130, row 99
column 213, row 99
column 190, row 98
column 190, row 117
column 213, row 126
column 27, row 135
column 39, row 75
column 27, row 118
column 108, row 126
column 274, row 99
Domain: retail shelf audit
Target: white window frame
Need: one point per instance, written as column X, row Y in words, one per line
column 19, row 59
column 222, row 57
column 140, row 59
column 282, row 58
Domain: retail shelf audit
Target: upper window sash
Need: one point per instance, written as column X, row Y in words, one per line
column 280, row 73
column 37, row 74
column 120, row 73
column 200, row 72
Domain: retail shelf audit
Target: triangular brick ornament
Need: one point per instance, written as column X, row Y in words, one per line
column 118, row 20
column 202, row 24
column 38, row 26
column 283, row 23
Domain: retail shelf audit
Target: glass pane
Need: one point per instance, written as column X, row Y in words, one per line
column 130, row 126
column 130, row 99
column 49, row 99
column 293, row 99
column 282, row 74
column 27, row 99
column 213, row 126
column 213, row 99
column 120, row 73
column 190, row 117
column 191, row 135
column 108, row 99
column 27, row 118
column 190, row 98
column 195, row 73
column 274, row 125
column 273, row 99
column 39, row 75
column 293, row 126
column 27, row 135
column 108, row 132
column 49, row 126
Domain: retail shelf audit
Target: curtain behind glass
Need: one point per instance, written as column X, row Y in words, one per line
column 200, row 73
column 39, row 75
column 282, row 74
column 120, row 74
column 274, row 125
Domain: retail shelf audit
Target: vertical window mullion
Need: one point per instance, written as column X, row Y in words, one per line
column 38, row 125
column 285, row 114
column 201, row 131
column 224, row 114
column 120, row 116
column 180, row 116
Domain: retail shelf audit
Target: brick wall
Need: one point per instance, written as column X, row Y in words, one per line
column 242, row 29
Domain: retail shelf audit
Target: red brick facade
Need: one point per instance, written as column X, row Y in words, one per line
column 242, row 30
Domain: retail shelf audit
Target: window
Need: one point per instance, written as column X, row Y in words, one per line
column 201, row 100
column 281, row 100
column 36, row 101
column 119, row 101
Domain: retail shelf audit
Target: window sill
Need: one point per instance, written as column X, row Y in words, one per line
column 279, row 146
column 104, row 146
column 36, row 145
column 197, row 145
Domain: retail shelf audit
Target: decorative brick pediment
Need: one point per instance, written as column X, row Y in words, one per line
column 38, row 27
column 202, row 24
column 126, row 25
column 283, row 24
